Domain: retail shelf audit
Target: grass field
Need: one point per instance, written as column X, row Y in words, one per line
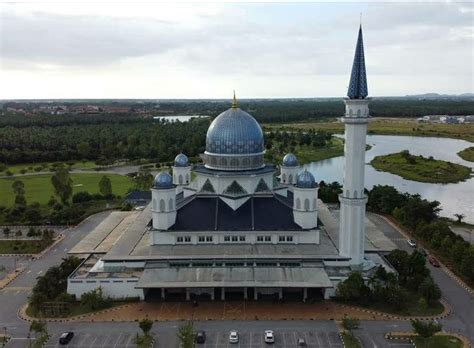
column 392, row 126
column 22, row 246
column 467, row 154
column 38, row 188
column 350, row 341
column 419, row 168
column 46, row 166
column 438, row 341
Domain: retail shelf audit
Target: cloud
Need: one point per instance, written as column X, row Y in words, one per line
column 282, row 48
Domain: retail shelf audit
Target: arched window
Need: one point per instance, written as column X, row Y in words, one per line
column 314, row 204
column 187, row 178
column 298, row 203
column 162, row 205
column 223, row 162
column 358, row 113
column 290, row 179
column 350, row 112
column 213, row 161
column 170, row 204
column 306, row 204
column 283, row 177
column 355, row 193
column 234, row 162
column 245, row 162
column 180, row 180
column 154, row 205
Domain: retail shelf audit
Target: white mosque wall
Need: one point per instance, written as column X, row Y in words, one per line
column 305, row 207
column 234, row 237
column 181, row 175
column 111, row 287
column 288, row 175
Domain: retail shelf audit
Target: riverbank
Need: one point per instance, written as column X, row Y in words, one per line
column 390, row 126
column 467, row 154
column 419, row 168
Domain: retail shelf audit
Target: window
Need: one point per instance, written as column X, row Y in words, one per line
column 208, row 238
column 306, row 204
column 179, row 239
column 259, row 238
column 242, row 238
column 281, row 238
column 268, row 238
column 187, row 239
column 234, row 238
column 227, row 239
column 201, row 239
column 298, row 203
column 289, row 238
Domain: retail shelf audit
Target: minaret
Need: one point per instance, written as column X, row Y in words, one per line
column 352, row 198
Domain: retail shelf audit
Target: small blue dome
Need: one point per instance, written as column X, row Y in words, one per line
column 163, row 181
column 305, row 180
column 290, row 160
column 234, row 132
column 181, row 160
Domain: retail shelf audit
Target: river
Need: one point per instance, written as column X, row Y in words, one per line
column 454, row 198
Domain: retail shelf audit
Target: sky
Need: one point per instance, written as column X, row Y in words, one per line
column 106, row 49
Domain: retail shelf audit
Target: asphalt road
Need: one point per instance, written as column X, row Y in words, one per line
column 371, row 333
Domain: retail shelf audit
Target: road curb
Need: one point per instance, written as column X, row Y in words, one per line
column 407, row 336
column 16, row 273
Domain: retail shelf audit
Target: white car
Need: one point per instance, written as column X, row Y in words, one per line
column 269, row 337
column 233, row 337
column 412, row 243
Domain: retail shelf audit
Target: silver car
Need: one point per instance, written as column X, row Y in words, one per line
column 234, row 336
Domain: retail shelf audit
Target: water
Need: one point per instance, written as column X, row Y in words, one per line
column 454, row 198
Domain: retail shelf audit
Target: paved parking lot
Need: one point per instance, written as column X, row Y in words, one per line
column 283, row 339
column 85, row 340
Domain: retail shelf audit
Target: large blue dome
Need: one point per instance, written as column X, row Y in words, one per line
column 305, row 180
column 163, row 181
column 234, row 132
column 290, row 160
column 181, row 160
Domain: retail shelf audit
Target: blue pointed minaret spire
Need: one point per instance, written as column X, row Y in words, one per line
column 358, row 84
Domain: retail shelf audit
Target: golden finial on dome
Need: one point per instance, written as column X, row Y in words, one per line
column 234, row 102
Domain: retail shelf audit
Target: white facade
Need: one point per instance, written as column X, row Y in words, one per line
column 288, row 175
column 305, row 205
column 163, row 208
column 181, row 175
column 353, row 199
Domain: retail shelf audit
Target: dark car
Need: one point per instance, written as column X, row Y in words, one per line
column 423, row 252
column 200, row 337
column 434, row 262
column 66, row 337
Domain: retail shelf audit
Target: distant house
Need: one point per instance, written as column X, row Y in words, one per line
column 137, row 198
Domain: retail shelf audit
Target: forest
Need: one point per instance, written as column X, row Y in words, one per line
column 102, row 137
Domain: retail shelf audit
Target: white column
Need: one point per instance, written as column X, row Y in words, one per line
column 245, row 294
column 213, row 294
column 223, row 294
column 305, row 294
column 163, row 293
column 188, row 294
column 255, row 294
column 352, row 198
column 280, row 293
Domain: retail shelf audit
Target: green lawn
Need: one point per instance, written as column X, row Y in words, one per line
column 419, row 168
column 467, row 154
column 38, row 188
column 350, row 341
column 22, row 246
column 438, row 341
column 45, row 166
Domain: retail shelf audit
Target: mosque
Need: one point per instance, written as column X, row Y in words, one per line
column 233, row 227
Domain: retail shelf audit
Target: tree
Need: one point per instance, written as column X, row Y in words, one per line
column 145, row 325
column 144, row 179
column 38, row 326
column 83, row 149
column 105, row 186
column 62, row 184
column 429, row 290
column 95, row 299
column 350, row 323
column 186, row 335
column 19, row 190
column 6, row 231
column 425, row 329
column 460, row 217
column 353, row 288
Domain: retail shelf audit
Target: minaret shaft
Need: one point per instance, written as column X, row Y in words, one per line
column 352, row 198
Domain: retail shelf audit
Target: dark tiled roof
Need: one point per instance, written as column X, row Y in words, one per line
column 258, row 213
column 138, row 195
column 358, row 83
